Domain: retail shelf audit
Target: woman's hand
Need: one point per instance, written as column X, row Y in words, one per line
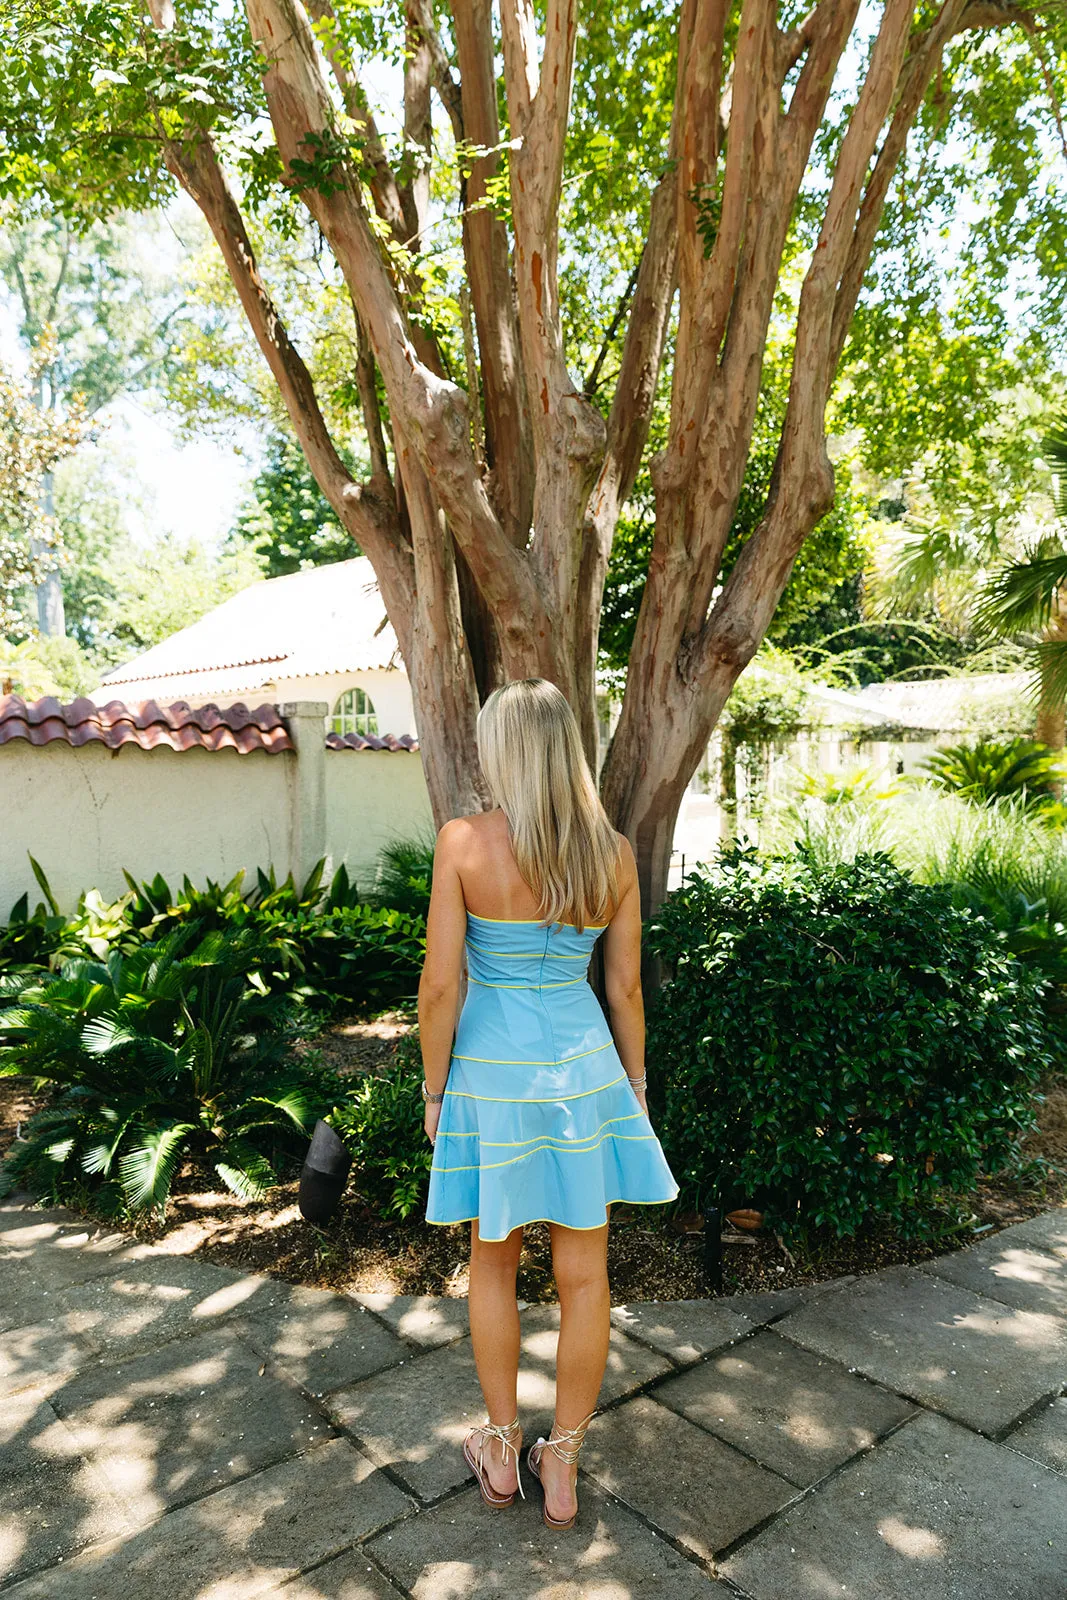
column 430, row 1121
column 639, row 1096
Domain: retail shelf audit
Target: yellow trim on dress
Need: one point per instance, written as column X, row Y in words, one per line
column 535, row 922
column 591, row 1227
column 491, row 1061
column 565, row 983
column 539, row 1138
column 526, row 1100
column 489, row 1166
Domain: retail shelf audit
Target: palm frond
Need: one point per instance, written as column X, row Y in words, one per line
column 293, row 1103
column 1019, row 597
column 147, row 1171
column 1052, row 670
column 244, row 1171
column 1054, row 450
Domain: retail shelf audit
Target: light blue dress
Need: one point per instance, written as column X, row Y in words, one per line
column 539, row 1122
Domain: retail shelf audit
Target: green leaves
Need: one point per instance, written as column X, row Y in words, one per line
column 838, row 1044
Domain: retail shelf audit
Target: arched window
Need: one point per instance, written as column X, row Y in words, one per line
column 354, row 713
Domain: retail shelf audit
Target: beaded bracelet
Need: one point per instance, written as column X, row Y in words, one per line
column 431, row 1099
column 639, row 1083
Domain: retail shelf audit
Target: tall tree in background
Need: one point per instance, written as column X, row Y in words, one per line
column 95, row 303
column 496, row 479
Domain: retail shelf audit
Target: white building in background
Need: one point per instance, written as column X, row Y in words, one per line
column 318, row 634
column 322, row 635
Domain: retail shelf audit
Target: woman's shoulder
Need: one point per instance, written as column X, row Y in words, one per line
column 460, row 832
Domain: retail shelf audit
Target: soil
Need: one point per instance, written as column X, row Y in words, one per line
column 652, row 1254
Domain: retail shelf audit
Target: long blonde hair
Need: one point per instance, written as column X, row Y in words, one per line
column 532, row 757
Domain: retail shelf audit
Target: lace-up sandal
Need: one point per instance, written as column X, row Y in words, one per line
column 566, row 1444
column 505, row 1434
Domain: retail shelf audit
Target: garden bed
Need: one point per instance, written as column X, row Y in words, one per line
column 651, row 1257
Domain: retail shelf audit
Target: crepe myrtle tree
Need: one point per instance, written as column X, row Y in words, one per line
column 495, row 484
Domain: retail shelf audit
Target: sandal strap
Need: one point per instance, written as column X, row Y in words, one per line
column 566, row 1443
column 505, row 1433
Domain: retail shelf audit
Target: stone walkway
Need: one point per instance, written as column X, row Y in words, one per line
column 170, row 1430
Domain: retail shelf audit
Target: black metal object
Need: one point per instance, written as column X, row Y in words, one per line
column 713, row 1248
column 323, row 1176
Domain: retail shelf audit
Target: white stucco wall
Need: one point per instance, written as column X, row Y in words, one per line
column 87, row 813
column 372, row 797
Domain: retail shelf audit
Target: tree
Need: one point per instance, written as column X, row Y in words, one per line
column 31, row 442
column 99, row 306
column 285, row 519
column 496, row 481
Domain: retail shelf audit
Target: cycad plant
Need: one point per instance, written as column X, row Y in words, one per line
column 991, row 770
column 156, row 1057
column 1027, row 599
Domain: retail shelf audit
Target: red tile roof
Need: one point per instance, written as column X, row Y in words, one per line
column 145, row 724
column 359, row 741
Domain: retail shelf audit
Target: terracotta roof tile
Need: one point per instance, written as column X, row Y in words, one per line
column 145, row 724
column 359, row 741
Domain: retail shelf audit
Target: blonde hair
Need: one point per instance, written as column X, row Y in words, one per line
column 532, row 757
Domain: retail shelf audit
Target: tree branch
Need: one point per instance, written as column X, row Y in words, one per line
column 430, row 411
column 448, row 90
column 487, row 254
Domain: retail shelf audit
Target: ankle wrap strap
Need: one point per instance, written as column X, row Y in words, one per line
column 505, row 1433
column 566, row 1443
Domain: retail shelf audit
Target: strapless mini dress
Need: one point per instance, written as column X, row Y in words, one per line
column 538, row 1122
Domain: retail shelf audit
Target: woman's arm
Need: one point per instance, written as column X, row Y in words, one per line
column 622, row 972
column 446, row 927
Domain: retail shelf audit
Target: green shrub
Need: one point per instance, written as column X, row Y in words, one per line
column 362, row 957
column 405, row 874
column 997, row 769
column 381, row 1124
column 836, row 1044
column 168, row 1054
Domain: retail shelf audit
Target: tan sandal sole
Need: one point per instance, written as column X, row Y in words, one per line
column 549, row 1521
column 494, row 1501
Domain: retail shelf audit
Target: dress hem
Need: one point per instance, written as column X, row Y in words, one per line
column 452, row 1222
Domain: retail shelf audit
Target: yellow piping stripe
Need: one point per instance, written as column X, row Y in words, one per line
column 530, row 955
column 567, row 983
column 491, row 1061
column 488, row 1166
column 515, row 1144
column 544, row 1100
column 593, row 1227
column 533, row 922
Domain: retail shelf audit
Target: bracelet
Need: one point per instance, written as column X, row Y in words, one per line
column 639, row 1083
column 431, row 1099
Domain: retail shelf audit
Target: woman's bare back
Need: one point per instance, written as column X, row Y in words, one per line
column 492, row 885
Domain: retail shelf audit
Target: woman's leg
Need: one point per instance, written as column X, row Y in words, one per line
column 494, row 1318
column 580, row 1266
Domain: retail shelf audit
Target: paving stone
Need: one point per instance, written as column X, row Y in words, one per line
column 768, row 1306
column 454, row 1552
column 347, row 1577
column 57, row 1253
column 691, row 1486
column 975, row 1359
column 169, row 1425
column 148, row 1302
column 793, row 1411
column 630, row 1365
column 51, row 1500
column 1044, row 1436
column 1003, row 1269
column 426, row 1319
column 320, row 1340
column 685, row 1330
column 239, row 1543
column 934, row 1511
column 415, row 1416
column 38, row 1356
column 1045, row 1232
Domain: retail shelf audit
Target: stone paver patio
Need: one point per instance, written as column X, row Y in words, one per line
column 173, row 1429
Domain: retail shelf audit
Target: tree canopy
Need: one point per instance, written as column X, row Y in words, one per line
column 586, row 272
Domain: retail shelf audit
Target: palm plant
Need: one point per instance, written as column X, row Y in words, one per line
column 1028, row 598
column 156, row 1056
column 991, row 770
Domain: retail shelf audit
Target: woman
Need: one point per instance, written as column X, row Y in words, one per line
column 535, row 1112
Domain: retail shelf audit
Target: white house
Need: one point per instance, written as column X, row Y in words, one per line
column 319, row 634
